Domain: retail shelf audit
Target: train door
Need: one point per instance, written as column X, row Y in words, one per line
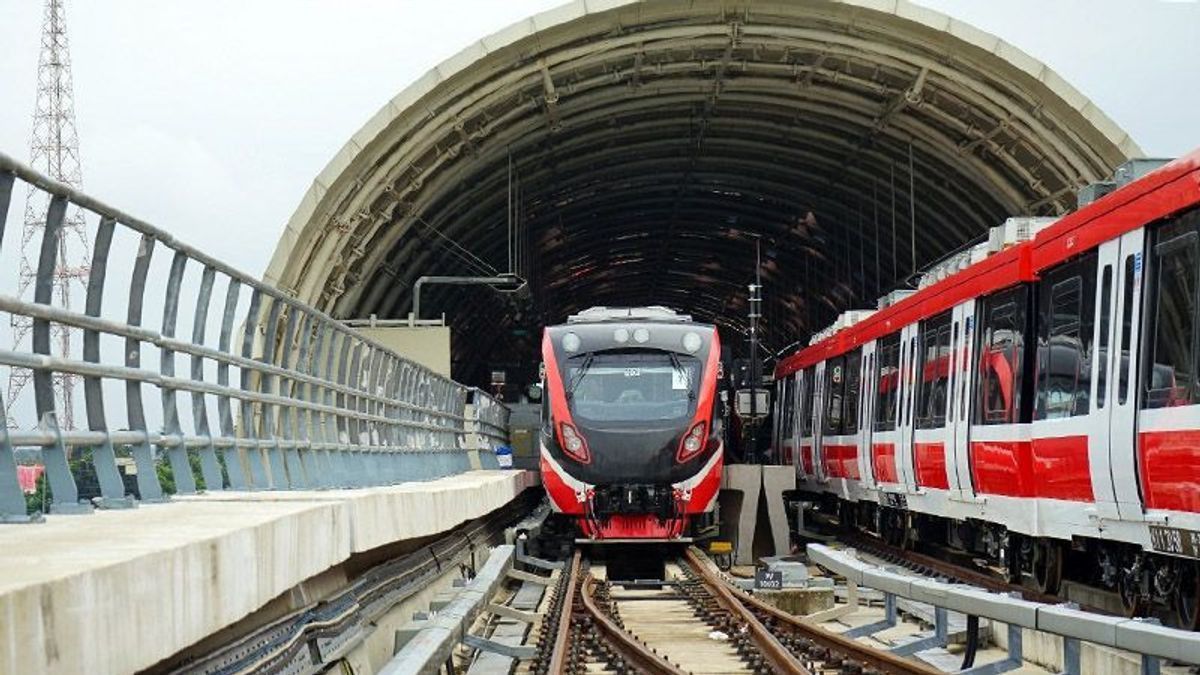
column 1123, row 373
column 1063, row 405
column 1168, row 423
column 958, row 417
column 886, row 393
column 818, row 421
column 791, row 417
column 780, row 412
column 907, row 402
column 932, row 371
column 804, row 427
column 1102, row 447
column 867, row 385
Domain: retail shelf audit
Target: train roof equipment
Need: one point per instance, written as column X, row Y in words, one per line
column 613, row 314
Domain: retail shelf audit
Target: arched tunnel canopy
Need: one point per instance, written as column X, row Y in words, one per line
column 652, row 143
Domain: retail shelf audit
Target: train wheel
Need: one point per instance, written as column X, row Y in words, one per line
column 1186, row 601
column 1130, row 586
column 908, row 537
column 1047, row 566
column 1012, row 559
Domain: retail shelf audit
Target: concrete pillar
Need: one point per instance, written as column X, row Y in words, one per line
column 740, row 516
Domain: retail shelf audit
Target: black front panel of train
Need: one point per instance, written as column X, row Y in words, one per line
column 633, row 406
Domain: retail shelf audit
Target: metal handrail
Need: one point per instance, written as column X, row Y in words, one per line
column 315, row 404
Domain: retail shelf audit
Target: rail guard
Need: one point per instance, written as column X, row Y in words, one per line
column 1146, row 637
column 318, row 405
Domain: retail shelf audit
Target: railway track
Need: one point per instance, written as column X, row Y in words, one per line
column 695, row 622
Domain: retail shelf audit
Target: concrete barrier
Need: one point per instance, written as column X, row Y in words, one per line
column 121, row 590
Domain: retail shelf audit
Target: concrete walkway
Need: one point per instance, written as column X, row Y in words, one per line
column 117, row 591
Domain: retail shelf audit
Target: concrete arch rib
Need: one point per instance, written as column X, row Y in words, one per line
column 761, row 116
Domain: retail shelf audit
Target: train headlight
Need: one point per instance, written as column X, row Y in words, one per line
column 692, row 442
column 691, row 342
column 621, row 335
column 573, row 444
column 570, row 342
column 641, row 335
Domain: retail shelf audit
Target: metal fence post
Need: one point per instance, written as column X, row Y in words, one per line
column 239, row 475
column 177, row 454
column 249, row 422
column 112, row 488
column 143, row 456
column 210, row 467
column 54, row 456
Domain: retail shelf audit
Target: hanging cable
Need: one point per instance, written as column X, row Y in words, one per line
column 912, row 210
column 895, row 263
column 470, row 258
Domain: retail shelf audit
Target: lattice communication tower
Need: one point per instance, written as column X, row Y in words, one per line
column 54, row 150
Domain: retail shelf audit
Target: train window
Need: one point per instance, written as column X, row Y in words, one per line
column 806, row 409
column 1171, row 377
column 835, row 383
column 1127, row 326
column 850, row 401
column 910, row 391
column 790, row 406
column 933, row 373
column 1066, row 309
column 1001, row 358
column 887, row 387
column 1106, row 284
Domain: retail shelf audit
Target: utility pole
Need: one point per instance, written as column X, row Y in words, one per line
column 53, row 150
column 755, row 369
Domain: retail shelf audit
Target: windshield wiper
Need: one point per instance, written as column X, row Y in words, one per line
column 583, row 368
column 687, row 374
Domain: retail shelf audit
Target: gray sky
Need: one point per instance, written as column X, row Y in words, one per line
column 210, row 119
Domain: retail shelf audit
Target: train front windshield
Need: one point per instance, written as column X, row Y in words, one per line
column 632, row 386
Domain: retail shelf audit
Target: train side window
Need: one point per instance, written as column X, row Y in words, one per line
column 933, row 373
column 912, row 375
column 790, row 406
column 806, row 406
column 835, row 384
column 887, row 387
column 1126, row 329
column 1066, row 315
column 1001, row 358
column 850, row 400
column 1171, row 378
column 1105, row 323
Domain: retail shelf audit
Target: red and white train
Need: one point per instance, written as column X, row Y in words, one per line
column 631, row 440
column 1034, row 402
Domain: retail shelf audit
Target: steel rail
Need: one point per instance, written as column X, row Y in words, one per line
column 636, row 653
column 880, row 660
column 558, row 657
column 779, row 657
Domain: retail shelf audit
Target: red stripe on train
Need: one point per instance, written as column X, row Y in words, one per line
column 883, row 462
column 1060, row 468
column 560, row 493
column 1003, row 468
column 841, row 461
column 1170, row 469
column 931, row 465
column 707, row 488
column 806, row 459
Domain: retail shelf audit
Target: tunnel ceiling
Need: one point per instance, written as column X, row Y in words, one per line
column 653, row 143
